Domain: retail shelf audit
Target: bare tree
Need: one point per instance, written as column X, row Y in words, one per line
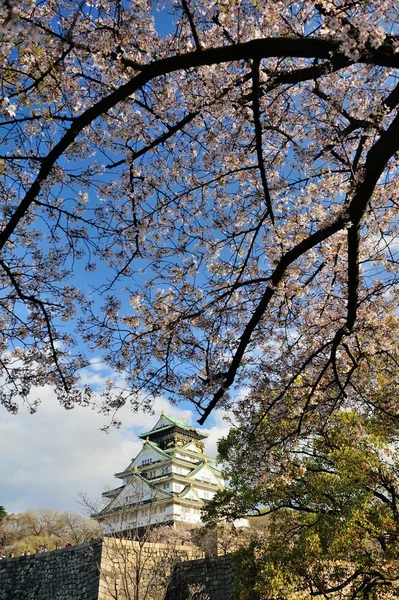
column 35, row 528
column 139, row 553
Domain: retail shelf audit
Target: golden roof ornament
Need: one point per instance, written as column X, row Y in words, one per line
column 162, row 412
column 147, row 439
column 135, row 470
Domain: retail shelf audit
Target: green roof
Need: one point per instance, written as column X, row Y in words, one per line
column 185, row 491
column 150, row 485
column 178, row 422
column 216, row 470
column 200, row 466
column 157, row 449
column 126, row 506
column 118, row 489
column 152, row 445
column 173, row 421
column 192, row 452
column 147, row 433
column 195, row 471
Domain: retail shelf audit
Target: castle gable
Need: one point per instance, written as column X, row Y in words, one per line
column 148, row 455
column 189, row 493
column 162, row 422
column 203, row 473
column 136, row 491
column 192, row 447
column 173, row 428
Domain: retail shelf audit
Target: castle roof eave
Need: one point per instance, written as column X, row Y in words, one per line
column 158, row 492
column 179, row 500
column 157, row 449
column 218, row 471
column 197, row 469
column 174, row 423
column 168, row 496
column 191, row 452
column 154, row 447
column 114, row 491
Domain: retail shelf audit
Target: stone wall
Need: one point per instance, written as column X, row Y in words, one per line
column 207, row 579
column 68, row 574
column 117, row 569
column 101, row 570
column 128, row 567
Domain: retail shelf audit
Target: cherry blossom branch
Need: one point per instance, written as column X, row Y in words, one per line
column 258, row 137
column 157, row 141
column 192, row 25
column 154, row 192
column 38, row 80
column 31, row 299
column 74, row 44
column 353, row 274
column 255, row 49
column 287, row 259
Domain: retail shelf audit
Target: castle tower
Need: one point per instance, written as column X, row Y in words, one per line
column 168, row 482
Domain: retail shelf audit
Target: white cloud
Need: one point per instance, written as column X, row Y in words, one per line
column 54, row 453
column 219, row 429
column 97, row 364
column 48, row 457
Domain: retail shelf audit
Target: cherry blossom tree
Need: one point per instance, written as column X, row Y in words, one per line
column 206, row 193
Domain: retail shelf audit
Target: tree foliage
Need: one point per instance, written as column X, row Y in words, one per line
column 31, row 530
column 332, row 501
column 3, row 513
column 230, row 170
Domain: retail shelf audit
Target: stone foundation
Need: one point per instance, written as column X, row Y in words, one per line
column 110, row 569
column 128, row 567
column 207, row 579
column 68, row 574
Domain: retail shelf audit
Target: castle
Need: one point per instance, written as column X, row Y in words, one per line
column 168, row 482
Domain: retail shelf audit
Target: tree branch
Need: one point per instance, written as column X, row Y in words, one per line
column 258, row 136
column 192, row 25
